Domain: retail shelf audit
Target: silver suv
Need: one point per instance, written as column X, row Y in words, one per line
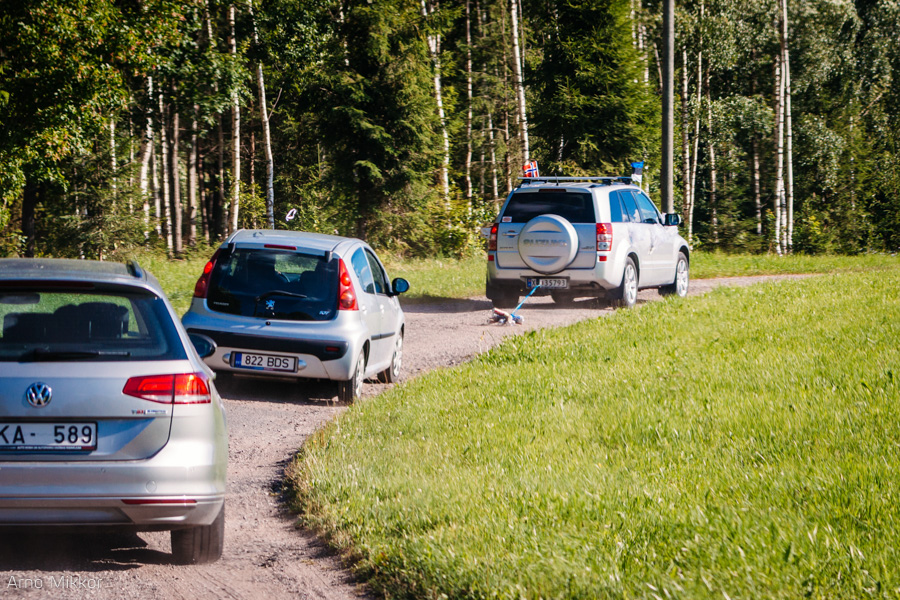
column 584, row 237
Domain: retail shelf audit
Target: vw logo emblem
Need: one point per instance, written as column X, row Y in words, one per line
column 38, row 394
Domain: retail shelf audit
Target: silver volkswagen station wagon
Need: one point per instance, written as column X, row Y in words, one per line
column 291, row 304
column 108, row 416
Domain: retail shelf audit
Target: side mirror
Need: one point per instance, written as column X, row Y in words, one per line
column 673, row 220
column 399, row 285
column 204, row 345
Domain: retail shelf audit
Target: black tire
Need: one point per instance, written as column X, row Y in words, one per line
column 505, row 300
column 199, row 545
column 679, row 287
column 392, row 373
column 350, row 390
column 625, row 295
column 563, row 298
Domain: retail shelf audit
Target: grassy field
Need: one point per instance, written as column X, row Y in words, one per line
column 451, row 278
column 743, row 444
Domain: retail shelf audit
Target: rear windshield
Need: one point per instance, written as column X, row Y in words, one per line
column 574, row 207
column 40, row 324
column 276, row 284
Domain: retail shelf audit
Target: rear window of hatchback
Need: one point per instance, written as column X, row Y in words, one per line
column 274, row 284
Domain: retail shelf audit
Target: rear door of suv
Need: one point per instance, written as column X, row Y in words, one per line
column 575, row 206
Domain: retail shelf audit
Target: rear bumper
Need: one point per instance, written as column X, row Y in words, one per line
column 324, row 350
column 180, row 486
column 606, row 275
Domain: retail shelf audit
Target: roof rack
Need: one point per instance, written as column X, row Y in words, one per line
column 624, row 180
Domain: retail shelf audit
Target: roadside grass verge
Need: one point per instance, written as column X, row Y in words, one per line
column 463, row 278
column 742, row 444
column 707, row 265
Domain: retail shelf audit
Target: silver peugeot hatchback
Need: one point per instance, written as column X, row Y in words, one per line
column 108, row 416
column 291, row 304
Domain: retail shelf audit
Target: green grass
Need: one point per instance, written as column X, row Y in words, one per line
column 451, row 278
column 436, row 278
column 707, row 265
column 742, row 444
column 177, row 277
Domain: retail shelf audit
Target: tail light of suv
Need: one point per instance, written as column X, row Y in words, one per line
column 202, row 286
column 346, row 294
column 604, row 237
column 180, row 388
column 492, row 240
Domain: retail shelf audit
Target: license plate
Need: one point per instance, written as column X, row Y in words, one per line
column 48, row 436
column 553, row 283
column 264, row 362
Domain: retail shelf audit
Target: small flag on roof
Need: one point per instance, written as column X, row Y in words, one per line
column 531, row 169
column 637, row 171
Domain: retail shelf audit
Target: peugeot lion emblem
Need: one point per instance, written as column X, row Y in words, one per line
column 38, row 394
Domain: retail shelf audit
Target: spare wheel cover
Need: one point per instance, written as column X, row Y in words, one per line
column 548, row 244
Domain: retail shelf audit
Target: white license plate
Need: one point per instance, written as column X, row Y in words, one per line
column 545, row 282
column 264, row 362
column 48, row 436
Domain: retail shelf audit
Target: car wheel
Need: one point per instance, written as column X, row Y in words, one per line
column 350, row 390
column 626, row 294
column 679, row 287
column 199, row 545
column 505, row 300
column 392, row 373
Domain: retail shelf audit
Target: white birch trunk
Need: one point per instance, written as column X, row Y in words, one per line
column 193, row 201
column 235, row 132
column 146, row 155
column 779, row 151
column 112, row 161
column 434, row 49
column 789, row 144
column 164, row 149
column 267, row 136
column 468, row 165
column 685, row 144
column 519, row 83
column 177, row 215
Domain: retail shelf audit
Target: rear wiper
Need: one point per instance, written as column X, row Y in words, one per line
column 42, row 354
column 280, row 293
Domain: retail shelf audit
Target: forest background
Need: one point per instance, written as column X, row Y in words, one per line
column 163, row 123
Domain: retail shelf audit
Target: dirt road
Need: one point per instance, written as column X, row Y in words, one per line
column 266, row 557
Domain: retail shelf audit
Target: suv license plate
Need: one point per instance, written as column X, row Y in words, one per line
column 18, row 436
column 554, row 283
column 264, row 362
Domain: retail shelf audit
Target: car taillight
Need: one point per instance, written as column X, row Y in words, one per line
column 180, row 388
column 346, row 295
column 604, row 237
column 492, row 241
column 202, row 285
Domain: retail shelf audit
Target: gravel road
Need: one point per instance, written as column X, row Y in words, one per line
column 265, row 556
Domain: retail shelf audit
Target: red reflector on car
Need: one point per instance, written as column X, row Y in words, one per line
column 346, row 294
column 180, row 388
column 601, row 258
column 202, row 285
